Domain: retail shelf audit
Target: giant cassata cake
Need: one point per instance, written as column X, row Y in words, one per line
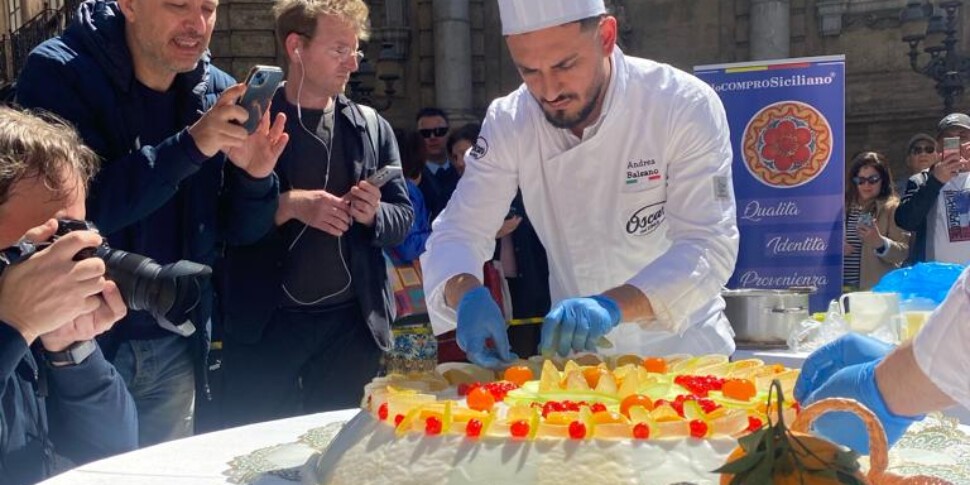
column 628, row 420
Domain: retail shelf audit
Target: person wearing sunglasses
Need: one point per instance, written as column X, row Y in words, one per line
column 624, row 165
column 921, row 154
column 936, row 204
column 439, row 177
column 874, row 244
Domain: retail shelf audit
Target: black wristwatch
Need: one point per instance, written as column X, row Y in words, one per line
column 73, row 355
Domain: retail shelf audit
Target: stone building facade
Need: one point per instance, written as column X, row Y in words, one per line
column 450, row 53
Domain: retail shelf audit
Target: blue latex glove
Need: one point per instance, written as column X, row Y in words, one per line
column 850, row 349
column 857, row 382
column 480, row 319
column 577, row 324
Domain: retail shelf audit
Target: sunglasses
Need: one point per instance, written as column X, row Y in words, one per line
column 434, row 132
column 872, row 179
column 927, row 149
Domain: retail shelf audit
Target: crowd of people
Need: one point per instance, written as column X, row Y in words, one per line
column 507, row 220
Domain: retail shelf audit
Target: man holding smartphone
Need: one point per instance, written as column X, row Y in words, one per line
column 936, row 205
column 179, row 178
column 308, row 308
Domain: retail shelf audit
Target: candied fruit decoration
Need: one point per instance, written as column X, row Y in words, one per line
column 739, row 389
column 398, row 419
column 518, row 375
column 480, row 399
column 577, row 430
column 432, row 425
column 698, row 428
column 592, row 376
column 382, row 412
column 635, row 400
column 464, row 388
column 519, row 429
column 597, row 407
column 608, row 417
column 655, row 364
column 641, row 431
column 754, row 424
column 473, row 429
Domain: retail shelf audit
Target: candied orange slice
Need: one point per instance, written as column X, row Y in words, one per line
column 518, row 375
column 739, row 389
column 635, row 400
column 562, row 417
column 593, row 376
column 608, row 417
column 655, row 364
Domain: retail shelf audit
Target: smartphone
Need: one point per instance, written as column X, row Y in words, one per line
column 261, row 84
column 951, row 144
column 382, row 176
column 865, row 219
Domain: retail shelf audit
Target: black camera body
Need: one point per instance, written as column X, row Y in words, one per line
column 170, row 292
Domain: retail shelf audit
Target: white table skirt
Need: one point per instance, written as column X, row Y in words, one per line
column 199, row 460
column 790, row 358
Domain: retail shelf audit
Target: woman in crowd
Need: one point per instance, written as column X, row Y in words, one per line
column 874, row 244
column 412, row 163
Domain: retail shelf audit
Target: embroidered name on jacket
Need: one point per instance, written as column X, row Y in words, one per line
column 645, row 220
column 641, row 174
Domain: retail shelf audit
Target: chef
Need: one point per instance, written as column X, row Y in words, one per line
column 625, row 170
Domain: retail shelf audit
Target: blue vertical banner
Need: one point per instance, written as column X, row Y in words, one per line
column 787, row 120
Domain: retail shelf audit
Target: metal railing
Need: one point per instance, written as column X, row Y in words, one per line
column 15, row 46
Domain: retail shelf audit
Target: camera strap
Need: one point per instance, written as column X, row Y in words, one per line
column 16, row 253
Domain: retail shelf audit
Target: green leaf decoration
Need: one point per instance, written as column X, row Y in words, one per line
column 743, row 464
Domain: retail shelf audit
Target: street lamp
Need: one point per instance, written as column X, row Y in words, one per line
column 936, row 29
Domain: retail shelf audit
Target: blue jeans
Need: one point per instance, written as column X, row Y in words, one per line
column 161, row 378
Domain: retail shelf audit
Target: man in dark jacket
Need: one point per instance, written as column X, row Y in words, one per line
column 439, row 177
column 134, row 77
column 308, row 309
column 936, row 205
column 59, row 397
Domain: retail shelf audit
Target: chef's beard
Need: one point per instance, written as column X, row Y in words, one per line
column 560, row 119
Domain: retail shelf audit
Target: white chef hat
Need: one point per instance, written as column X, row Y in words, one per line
column 521, row 16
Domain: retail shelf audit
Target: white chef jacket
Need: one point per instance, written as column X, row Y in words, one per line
column 645, row 199
column 942, row 346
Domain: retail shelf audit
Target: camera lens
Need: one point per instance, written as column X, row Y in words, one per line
column 258, row 79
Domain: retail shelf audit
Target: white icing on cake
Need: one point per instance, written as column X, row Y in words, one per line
column 368, row 451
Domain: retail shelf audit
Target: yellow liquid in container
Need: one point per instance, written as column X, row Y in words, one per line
column 912, row 323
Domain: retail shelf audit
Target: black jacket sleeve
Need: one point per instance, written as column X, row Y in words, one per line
column 91, row 413
column 13, row 347
column 395, row 214
column 922, row 190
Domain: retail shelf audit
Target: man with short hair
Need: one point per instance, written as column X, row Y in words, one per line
column 625, row 169
column 59, row 397
column 936, row 205
column 439, row 177
column 134, row 77
column 308, row 309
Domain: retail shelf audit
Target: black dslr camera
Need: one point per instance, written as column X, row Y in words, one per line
column 169, row 292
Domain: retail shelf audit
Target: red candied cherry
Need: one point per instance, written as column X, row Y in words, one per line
column 577, row 430
column 464, row 388
column 597, row 407
column 398, row 419
column 432, row 425
column 519, row 429
column 698, row 428
column 641, row 431
column 473, row 429
column 382, row 412
column 754, row 424
column 797, row 407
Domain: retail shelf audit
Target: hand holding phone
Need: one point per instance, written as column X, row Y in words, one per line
column 261, row 84
column 384, row 175
column 951, row 162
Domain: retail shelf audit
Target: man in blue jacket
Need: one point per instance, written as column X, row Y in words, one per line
column 59, row 397
column 134, row 77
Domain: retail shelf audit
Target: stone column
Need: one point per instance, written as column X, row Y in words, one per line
column 770, row 29
column 453, row 59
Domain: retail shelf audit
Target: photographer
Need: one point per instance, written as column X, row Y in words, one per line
column 59, row 397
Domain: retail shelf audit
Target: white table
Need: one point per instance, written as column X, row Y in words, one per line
column 199, row 460
column 793, row 359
